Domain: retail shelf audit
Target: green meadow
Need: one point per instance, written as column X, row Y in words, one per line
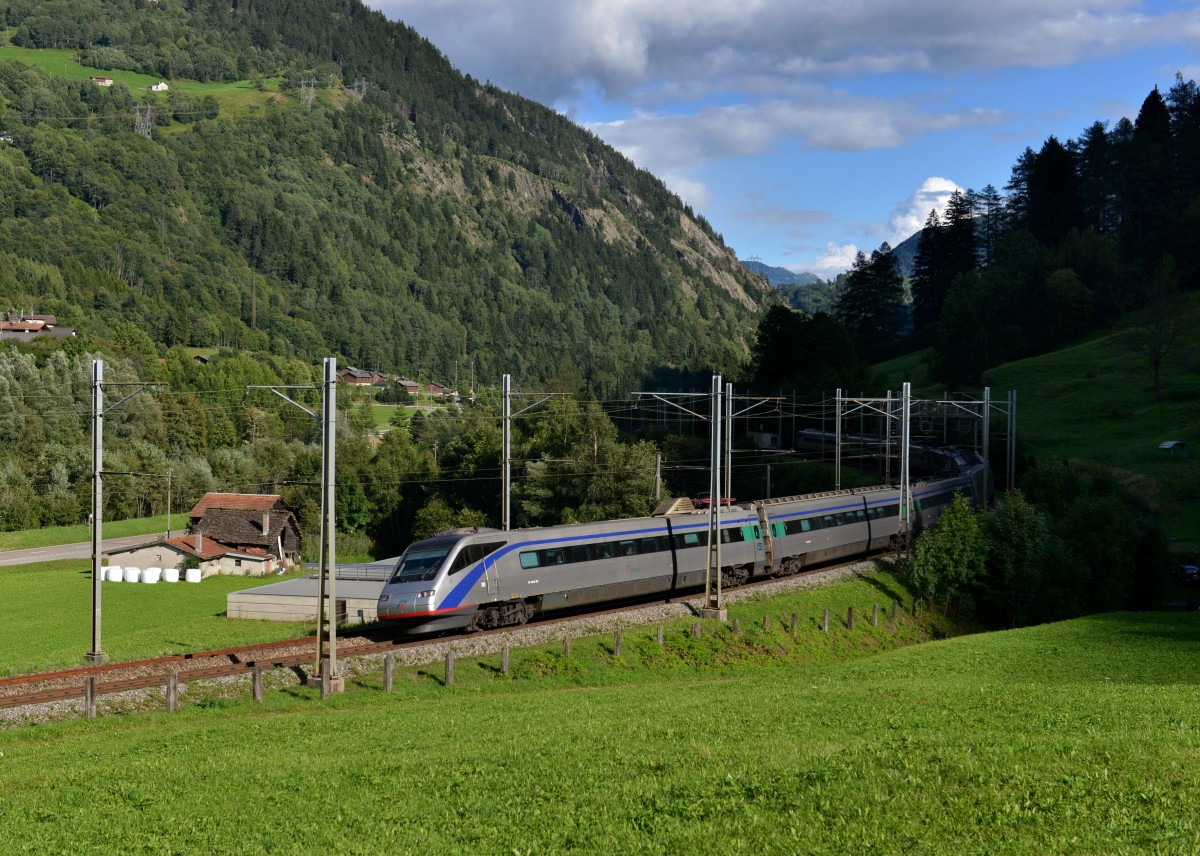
column 236, row 98
column 51, row 536
column 48, row 617
column 1094, row 403
column 1077, row 737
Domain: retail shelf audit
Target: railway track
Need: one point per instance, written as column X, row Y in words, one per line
column 67, row 685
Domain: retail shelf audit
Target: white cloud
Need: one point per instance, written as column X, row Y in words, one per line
column 909, row 217
column 552, row 50
column 665, row 143
column 694, row 193
column 836, row 259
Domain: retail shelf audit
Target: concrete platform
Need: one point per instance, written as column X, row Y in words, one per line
column 296, row 600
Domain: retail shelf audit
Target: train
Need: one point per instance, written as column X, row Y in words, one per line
column 479, row 578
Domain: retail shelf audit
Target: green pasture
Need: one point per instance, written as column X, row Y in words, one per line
column 48, row 617
column 236, row 98
column 52, row 536
column 1077, row 737
column 1094, row 402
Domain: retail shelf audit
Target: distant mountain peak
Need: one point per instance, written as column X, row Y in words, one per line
column 778, row 276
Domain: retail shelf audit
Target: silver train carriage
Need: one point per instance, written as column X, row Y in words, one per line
column 483, row 578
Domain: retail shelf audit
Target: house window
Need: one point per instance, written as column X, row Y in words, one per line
column 237, row 563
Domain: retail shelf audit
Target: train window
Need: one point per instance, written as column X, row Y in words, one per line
column 529, row 560
column 827, row 522
column 420, row 564
column 473, row 553
column 733, row 536
column 860, row 515
column 581, row 553
column 607, row 550
column 554, row 556
column 628, row 548
column 757, row 532
column 649, row 545
column 839, row 519
column 806, row 525
column 690, row 539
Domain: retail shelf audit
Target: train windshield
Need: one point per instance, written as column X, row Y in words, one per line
column 420, row 565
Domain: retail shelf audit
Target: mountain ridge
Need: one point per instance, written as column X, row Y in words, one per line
column 414, row 219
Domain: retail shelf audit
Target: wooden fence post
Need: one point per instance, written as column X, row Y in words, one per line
column 825, row 622
column 326, row 678
column 737, row 627
column 850, row 618
column 766, row 622
column 504, row 660
column 566, row 646
column 660, row 637
column 89, row 697
column 450, row 668
column 389, row 667
column 875, row 616
column 172, row 690
column 258, row 682
column 696, row 629
column 617, row 644
column 894, row 607
column 794, row 619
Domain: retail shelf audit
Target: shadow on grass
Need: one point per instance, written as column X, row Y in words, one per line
column 898, row 591
column 437, row 679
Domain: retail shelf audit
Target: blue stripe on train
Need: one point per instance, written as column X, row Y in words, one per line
column 459, row 592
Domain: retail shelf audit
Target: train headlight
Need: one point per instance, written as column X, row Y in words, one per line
column 426, row 593
column 383, row 598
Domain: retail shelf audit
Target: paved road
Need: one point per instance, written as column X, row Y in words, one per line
column 70, row 551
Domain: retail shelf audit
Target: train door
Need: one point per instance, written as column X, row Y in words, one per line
column 753, row 533
column 768, row 532
column 491, row 577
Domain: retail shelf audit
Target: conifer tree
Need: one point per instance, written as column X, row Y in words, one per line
column 870, row 306
column 928, row 286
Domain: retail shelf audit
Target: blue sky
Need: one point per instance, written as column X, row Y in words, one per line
column 805, row 131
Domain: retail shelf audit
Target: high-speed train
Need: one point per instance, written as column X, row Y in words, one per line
column 483, row 578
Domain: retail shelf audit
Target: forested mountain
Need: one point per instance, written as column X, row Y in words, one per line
column 778, row 276
column 366, row 201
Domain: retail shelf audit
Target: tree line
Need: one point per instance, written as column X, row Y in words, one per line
column 1084, row 232
column 431, row 471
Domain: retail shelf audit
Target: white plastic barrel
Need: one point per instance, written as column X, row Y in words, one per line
column 132, row 575
column 170, row 575
column 114, row 574
column 192, row 575
column 151, row 575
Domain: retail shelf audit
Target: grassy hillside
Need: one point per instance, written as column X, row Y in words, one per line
column 236, row 98
column 1077, row 737
column 1094, row 403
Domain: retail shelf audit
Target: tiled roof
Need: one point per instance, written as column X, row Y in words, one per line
column 209, row 549
column 241, row 501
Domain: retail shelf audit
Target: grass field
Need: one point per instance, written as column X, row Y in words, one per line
column 1093, row 402
column 52, row 536
column 236, row 98
column 1078, row 737
column 47, row 622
